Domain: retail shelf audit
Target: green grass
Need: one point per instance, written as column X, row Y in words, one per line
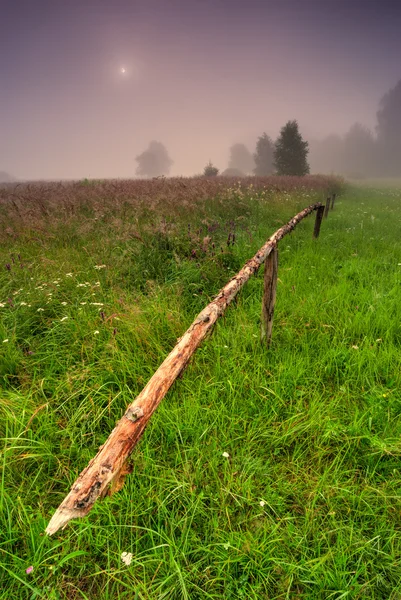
column 306, row 505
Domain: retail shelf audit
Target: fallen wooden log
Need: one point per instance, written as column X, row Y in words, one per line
column 108, row 464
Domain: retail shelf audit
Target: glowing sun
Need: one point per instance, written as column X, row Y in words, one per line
column 123, row 70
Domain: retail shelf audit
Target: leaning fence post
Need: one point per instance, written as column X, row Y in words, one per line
column 333, row 200
column 269, row 296
column 318, row 221
column 326, row 212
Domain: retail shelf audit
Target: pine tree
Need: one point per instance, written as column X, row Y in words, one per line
column 263, row 156
column 210, row 170
column 290, row 153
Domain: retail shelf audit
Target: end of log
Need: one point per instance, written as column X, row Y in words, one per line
column 62, row 517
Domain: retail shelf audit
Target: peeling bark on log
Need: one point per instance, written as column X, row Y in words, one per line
column 108, row 464
column 269, row 295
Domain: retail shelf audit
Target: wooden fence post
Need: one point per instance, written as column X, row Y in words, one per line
column 108, row 467
column 318, row 221
column 269, row 296
column 332, row 201
column 326, row 212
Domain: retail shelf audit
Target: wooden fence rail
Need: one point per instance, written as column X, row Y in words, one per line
column 109, row 464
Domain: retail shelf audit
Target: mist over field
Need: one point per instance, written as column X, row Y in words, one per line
column 87, row 87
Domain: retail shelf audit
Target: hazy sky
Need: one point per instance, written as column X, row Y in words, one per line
column 200, row 75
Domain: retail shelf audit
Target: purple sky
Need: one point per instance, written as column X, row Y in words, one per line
column 201, row 75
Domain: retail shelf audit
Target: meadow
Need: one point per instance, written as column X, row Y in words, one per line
column 265, row 473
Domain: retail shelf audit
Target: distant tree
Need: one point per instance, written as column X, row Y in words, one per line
column 359, row 152
column 210, row 170
column 389, row 131
column 263, row 156
column 327, row 155
column 241, row 158
column 6, row 177
column 154, row 161
column 291, row 151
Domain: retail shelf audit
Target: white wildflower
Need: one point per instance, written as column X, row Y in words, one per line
column 98, row 267
column 63, row 319
column 2, row 305
column 23, row 304
column 97, row 303
column 226, row 455
column 5, row 341
column 96, row 332
column 262, row 503
column 355, row 347
column 68, row 274
column 64, row 303
column 83, row 303
column 226, row 546
column 126, row 557
column 40, row 309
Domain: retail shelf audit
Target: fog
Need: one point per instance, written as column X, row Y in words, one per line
column 87, row 86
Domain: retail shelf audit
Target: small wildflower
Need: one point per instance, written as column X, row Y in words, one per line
column 226, row 546
column 40, row 310
column 226, row 455
column 5, row 341
column 83, row 303
column 63, row 319
column 97, row 303
column 225, row 346
column 96, row 332
column 29, row 570
column 23, row 304
column 126, row 557
column 2, row 305
column 98, row 267
column 262, row 503
column 68, row 274
column 355, row 347
column 64, row 303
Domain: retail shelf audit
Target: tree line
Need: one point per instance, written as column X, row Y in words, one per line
column 286, row 156
column 358, row 153
column 361, row 152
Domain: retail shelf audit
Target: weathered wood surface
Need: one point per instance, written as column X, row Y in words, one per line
column 318, row 221
column 108, row 464
column 269, row 295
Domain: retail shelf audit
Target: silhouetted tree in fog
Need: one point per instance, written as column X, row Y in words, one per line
column 326, row 155
column 263, row 156
column 291, row 151
column 154, row 161
column 241, row 158
column 210, row 170
column 359, row 152
column 389, row 131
